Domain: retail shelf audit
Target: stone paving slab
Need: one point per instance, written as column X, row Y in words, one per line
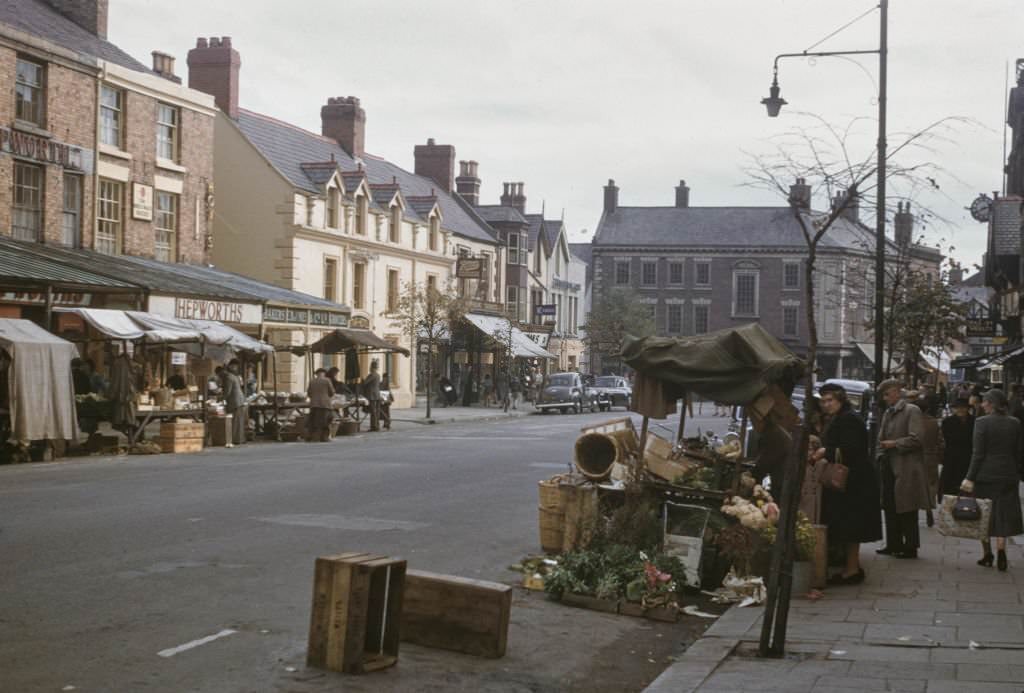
column 1006, row 673
column 918, row 618
column 971, row 687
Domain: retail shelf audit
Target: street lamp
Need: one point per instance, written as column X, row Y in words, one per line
column 778, row 587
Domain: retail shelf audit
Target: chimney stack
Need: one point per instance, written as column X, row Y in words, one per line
column 903, row 223
column 800, row 194
column 514, row 197
column 344, row 121
column 91, row 15
column 682, row 195
column 163, row 65
column 436, row 162
column 468, row 182
column 956, row 275
column 611, row 197
column 213, row 67
column 852, row 210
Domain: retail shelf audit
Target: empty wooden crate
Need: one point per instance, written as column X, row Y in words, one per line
column 356, row 616
column 181, row 436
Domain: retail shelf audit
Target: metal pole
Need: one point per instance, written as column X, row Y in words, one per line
column 883, row 51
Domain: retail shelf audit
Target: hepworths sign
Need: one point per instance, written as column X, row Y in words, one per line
column 206, row 309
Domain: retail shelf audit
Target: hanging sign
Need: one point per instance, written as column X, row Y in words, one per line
column 179, row 358
column 142, row 202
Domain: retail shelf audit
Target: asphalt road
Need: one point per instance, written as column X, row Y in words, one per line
column 111, row 569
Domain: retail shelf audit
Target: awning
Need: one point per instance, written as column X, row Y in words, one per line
column 346, row 338
column 969, row 361
column 496, row 328
column 120, row 324
column 215, row 334
column 1001, row 358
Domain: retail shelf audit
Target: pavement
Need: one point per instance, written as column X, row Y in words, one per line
column 938, row 624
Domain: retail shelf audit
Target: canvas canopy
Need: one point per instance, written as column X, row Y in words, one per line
column 40, row 385
column 495, row 327
column 219, row 340
column 729, row 366
column 120, row 324
column 344, row 339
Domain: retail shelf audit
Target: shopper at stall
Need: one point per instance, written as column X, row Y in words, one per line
column 371, row 391
column 852, row 515
column 80, row 377
column 97, row 383
column 177, row 380
column 320, row 391
column 901, row 466
column 234, row 401
column 958, row 436
column 995, row 473
column 340, row 388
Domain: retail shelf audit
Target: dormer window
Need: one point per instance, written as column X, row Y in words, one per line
column 435, row 231
column 395, row 224
column 333, row 205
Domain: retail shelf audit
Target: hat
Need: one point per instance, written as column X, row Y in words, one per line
column 960, row 402
column 995, row 397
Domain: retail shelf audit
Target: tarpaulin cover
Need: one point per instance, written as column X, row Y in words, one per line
column 494, row 327
column 40, row 385
column 119, row 324
column 729, row 366
column 345, row 338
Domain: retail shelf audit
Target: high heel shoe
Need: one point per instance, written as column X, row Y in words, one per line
column 986, row 560
column 1000, row 562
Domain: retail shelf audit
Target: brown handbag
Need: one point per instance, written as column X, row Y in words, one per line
column 835, row 474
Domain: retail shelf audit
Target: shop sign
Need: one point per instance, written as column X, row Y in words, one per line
column 60, row 298
column 469, row 268
column 988, row 341
column 142, row 202
column 337, row 320
column 980, row 327
column 541, row 338
column 326, row 318
column 281, row 314
column 206, row 309
column 179, row 358
column 42, row 149
column 298, row 316
column 359, row 322
column 545, row 309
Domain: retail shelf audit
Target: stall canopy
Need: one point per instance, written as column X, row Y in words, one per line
column 41, row 389
column 345, row 339
column 729, row 366
column 119, row 324
column 220, row 340
column 495, row 327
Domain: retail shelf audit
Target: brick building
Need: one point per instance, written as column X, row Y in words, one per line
column 98, row 150
column 701, row 269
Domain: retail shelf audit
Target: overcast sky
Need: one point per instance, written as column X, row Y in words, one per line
column 565, row 95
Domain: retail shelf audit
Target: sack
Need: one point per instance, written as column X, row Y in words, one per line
column 950, row 526
column 966, row 509
column 835, row 474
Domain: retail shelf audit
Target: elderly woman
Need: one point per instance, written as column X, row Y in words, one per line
column 901, row 466
column 995, row 474
column 852, row 515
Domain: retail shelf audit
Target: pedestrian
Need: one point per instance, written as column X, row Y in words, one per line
column 446, row 393
column 901, row 466
column 943, row 397
column 931, row 448
column 488, row 389
column 515, row 388
column 176, row 381
column 371, row 390
column 80, row 377
column 958, row 437
column 995, row 473
column 234, row 402
column 320, row 391
column 852, row 515
column 340, row 388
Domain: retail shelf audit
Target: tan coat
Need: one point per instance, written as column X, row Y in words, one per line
column 904, row 424
column 932, row 445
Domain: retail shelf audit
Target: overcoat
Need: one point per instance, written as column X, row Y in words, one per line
column 851, row 515
column 903, row 423
column 931, row 446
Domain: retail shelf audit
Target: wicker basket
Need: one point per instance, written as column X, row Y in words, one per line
column 552, row 529
column 550, row 496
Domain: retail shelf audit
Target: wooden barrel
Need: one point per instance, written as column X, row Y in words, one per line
column 594, row 455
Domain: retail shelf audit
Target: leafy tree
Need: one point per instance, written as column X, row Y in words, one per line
column 616, row 313
column 426, row 314
column 925, row 315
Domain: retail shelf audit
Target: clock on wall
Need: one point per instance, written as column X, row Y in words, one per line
column 981, row 208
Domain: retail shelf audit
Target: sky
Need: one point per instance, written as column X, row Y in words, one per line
column 564, row 95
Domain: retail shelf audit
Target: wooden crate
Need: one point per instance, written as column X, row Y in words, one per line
column 180, row 445
column 356, row 615
column 182, row 430
column 455, row 613
column 220, row 429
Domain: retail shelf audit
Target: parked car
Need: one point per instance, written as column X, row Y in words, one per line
column 613, row 391
column 567, row 392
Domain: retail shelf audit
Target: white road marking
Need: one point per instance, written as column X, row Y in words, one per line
column 342, row 522
column 550, row 465
column 513, row 438
column 170, row 652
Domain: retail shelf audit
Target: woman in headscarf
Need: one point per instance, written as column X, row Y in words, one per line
column 995, row 473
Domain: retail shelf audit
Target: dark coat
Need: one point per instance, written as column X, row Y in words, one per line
column 997, row 449
column 854, row 514
column 958, row 435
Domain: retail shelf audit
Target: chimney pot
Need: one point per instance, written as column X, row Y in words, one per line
column 800, row 194
column 468, row 184
column 682, row 195
column 201, row 43
column 344, row 121
column 611, row 197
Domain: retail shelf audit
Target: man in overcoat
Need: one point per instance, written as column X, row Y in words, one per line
column 234, row 402
column 902, row 470
column 371, row 390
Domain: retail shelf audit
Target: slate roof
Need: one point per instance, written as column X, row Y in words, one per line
column 320, row 171
column 976, row 279
column 286, row 147
column 18, row 263
column 500, row 213
column 727, row 227
column 536, row 232
column 40, row 19
column 583, row 251
column 422, row 205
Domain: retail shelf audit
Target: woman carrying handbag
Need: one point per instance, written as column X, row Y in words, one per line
column 851, row 510
column 994, row 473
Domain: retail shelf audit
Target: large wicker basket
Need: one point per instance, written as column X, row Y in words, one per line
column 551, row 514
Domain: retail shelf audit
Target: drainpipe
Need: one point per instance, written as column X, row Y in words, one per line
column 96, row 160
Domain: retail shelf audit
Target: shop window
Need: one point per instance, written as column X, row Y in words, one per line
column 109, row 216
column 112, row 116
column 330, row 279
column 71, row 220
column 393, row 290
column 359, row 285
column 27, row 216
column 675, row 273
column 622, row 271
column 702, row 273
column 165, row 222
column 30, row 92
column 167, row 129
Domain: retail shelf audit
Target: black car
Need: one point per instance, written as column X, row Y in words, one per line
column 566, row 392
column 613, row 391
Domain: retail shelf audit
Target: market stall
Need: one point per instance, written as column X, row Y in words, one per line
column 37, row 399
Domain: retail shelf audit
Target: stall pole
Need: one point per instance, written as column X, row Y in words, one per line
column 682, row 419
column 274, row 368
column 643, row 444
column 780, row 576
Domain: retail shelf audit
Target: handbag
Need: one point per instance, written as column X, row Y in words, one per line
column 835, row 474
column 950, row 526
column 966, row 509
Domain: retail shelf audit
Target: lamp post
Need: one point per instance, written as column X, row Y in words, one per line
column 780, row 581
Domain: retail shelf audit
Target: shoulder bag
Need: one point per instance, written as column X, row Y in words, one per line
column 835, row 474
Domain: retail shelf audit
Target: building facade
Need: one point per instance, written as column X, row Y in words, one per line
column 701, row 269
column 316, row 213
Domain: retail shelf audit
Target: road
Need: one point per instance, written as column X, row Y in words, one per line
column 114, row 569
